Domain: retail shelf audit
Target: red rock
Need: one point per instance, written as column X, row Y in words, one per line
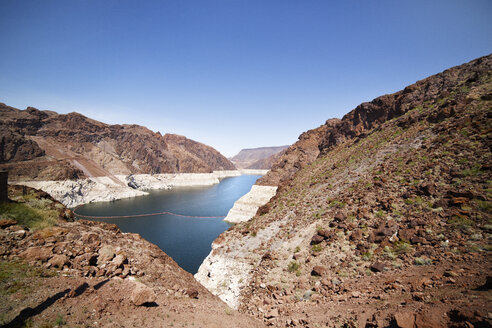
column 432, row 318
column 106, row 253
column 192, row 293
column 318, row 270
column 142, row 294
column 405, row 320
column 58, row 261
column 356, row 235
column 36, row 254
column 5, row 223
column 316, row 239
column 119, row 260
column 378, row 266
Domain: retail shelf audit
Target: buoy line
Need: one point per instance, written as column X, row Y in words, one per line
column 140, row 215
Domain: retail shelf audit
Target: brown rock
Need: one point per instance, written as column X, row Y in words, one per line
column 58, row 261
column 432, row 318
column 106, row 253
column 142, row 294
column 192, row 293
column 405, row 320
column 356, row 235
column 406, row 234
column 316, row 239
column 378, row 267
column 5, row 223
column 273, row 313
column 36, row 254
column 318, row 270
column 119, row 260
column 90, row 238
column 131, row 145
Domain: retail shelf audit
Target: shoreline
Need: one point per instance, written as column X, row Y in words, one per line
column 72, row 193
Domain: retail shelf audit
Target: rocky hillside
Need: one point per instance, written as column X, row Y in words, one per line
column 371, row 115
column 381, row 219
column 257, row 158
column 78, row 274
column 44, row 145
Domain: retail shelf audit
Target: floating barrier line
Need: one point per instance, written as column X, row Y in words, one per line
column 141, row 215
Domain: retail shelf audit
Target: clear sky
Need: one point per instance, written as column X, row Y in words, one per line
column 232, row 74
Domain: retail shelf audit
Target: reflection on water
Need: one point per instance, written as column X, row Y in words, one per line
column 187, row 240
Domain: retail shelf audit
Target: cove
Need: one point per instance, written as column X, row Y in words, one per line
column 187, row 240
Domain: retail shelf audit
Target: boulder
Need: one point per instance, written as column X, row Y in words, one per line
column 36, row 254
column 378, row 267
column 119, row 260
column 58, row 261
column 142, row 294
column 318, row 270
column 192, row 293
column 316, row 239
column 405, row 320
column 106, row 253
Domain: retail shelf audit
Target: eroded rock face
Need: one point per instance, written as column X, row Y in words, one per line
column 390, row 203
column 371, row 115
column 92, row 271
column 73, row 146
column 257, row 158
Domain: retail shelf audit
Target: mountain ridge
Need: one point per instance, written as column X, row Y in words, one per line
column 257, row 158
column 380, row 219
column 45, row 145
column 365, row 117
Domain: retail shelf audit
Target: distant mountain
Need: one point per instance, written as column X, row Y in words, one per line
column 44, row 145
column 257, row 158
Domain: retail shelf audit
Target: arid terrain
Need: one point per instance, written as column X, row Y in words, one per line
column 87, row 274
column 258, row 158
column 381, row 219
column 44, row 145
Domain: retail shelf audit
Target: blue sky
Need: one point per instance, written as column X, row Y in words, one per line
column 232, row 74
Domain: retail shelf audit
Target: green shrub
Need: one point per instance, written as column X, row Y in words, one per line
column 422, row 261
column 401, row 247
column 25, row 215
column 460, row 222
column 293, row 266
column 317, row 248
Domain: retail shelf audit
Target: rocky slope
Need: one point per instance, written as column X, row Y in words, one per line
column 257, row 158
column 371, row 115
column 80, row 274
column 380, row 219
column 44, row 145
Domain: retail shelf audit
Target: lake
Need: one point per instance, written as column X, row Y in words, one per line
column 187, row 240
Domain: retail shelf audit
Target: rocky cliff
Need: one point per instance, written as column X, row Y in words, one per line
column 257, row 158
column 61, row 273
column 371, row 115
column 44, row 145
column 381, row 218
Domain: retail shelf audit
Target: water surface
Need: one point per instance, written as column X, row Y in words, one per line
column 187, row 240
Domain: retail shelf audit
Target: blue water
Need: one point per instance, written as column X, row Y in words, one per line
column 187, row 240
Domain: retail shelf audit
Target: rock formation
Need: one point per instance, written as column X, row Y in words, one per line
column 247, row 206
column 43, row 145
column 380, row 219
column 257, row 158
column 90, row 273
